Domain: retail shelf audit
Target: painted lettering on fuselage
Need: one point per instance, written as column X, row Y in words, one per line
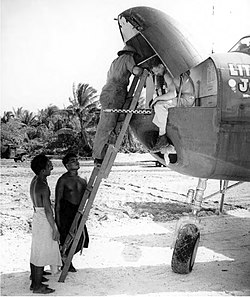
column 243, row 72
column 239, row 69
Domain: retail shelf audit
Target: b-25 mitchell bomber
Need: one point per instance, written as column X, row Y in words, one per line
column 211, row 138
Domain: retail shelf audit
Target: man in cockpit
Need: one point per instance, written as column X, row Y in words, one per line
column 179, row 92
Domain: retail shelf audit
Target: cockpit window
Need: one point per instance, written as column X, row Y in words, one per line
column 243, row 46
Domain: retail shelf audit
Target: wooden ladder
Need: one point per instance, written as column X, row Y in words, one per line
column 96, row 177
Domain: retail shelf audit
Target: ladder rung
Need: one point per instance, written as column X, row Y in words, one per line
column 108, row 161
column 72, row 234
column 89, row 188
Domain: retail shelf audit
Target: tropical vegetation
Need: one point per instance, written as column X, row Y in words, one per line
column 55, row 131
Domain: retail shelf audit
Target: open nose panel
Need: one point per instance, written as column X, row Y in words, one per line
column 152, row 32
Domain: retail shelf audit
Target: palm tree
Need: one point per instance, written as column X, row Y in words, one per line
column 18, row 113
column 48, row 116
column 26, row 117
column 85, row 105
column 7, row 115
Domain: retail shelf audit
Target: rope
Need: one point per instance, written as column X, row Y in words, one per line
column 137, row 111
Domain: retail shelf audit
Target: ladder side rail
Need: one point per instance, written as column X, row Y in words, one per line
column 108, row 161
column 80, row 230
column 129, row 96
column 70, row 235
column 97, row 178
column 133, row 86
column 113, row 149
column 78, row 215
column 88, row 189
column 132, row 107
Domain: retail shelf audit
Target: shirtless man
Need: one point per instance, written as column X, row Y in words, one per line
column 70, row 188
column 45, row 235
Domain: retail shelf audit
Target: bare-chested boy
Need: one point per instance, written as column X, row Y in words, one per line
column 45, row 235
column 70, row 188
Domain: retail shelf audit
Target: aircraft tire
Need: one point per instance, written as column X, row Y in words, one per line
column 185, row 249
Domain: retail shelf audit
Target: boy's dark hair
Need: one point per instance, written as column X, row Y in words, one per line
column 39, row 163
column 154, row 62
column 66, row 158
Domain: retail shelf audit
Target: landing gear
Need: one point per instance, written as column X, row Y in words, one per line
column 185, row 249
column 187, row 234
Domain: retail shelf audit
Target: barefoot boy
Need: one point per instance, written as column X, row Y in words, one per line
column 70, row 188
column 45, row 235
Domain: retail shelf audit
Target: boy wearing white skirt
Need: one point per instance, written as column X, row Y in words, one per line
column 45, row 235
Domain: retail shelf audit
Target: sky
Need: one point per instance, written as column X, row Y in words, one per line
column 47, row 45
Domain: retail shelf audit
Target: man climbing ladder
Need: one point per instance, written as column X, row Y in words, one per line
column 114, row 95
column 96, row 177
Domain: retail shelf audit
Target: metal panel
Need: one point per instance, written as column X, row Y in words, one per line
column 163, row 34
column 234, row 86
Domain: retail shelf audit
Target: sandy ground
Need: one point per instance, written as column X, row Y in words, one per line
column 131, row 227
